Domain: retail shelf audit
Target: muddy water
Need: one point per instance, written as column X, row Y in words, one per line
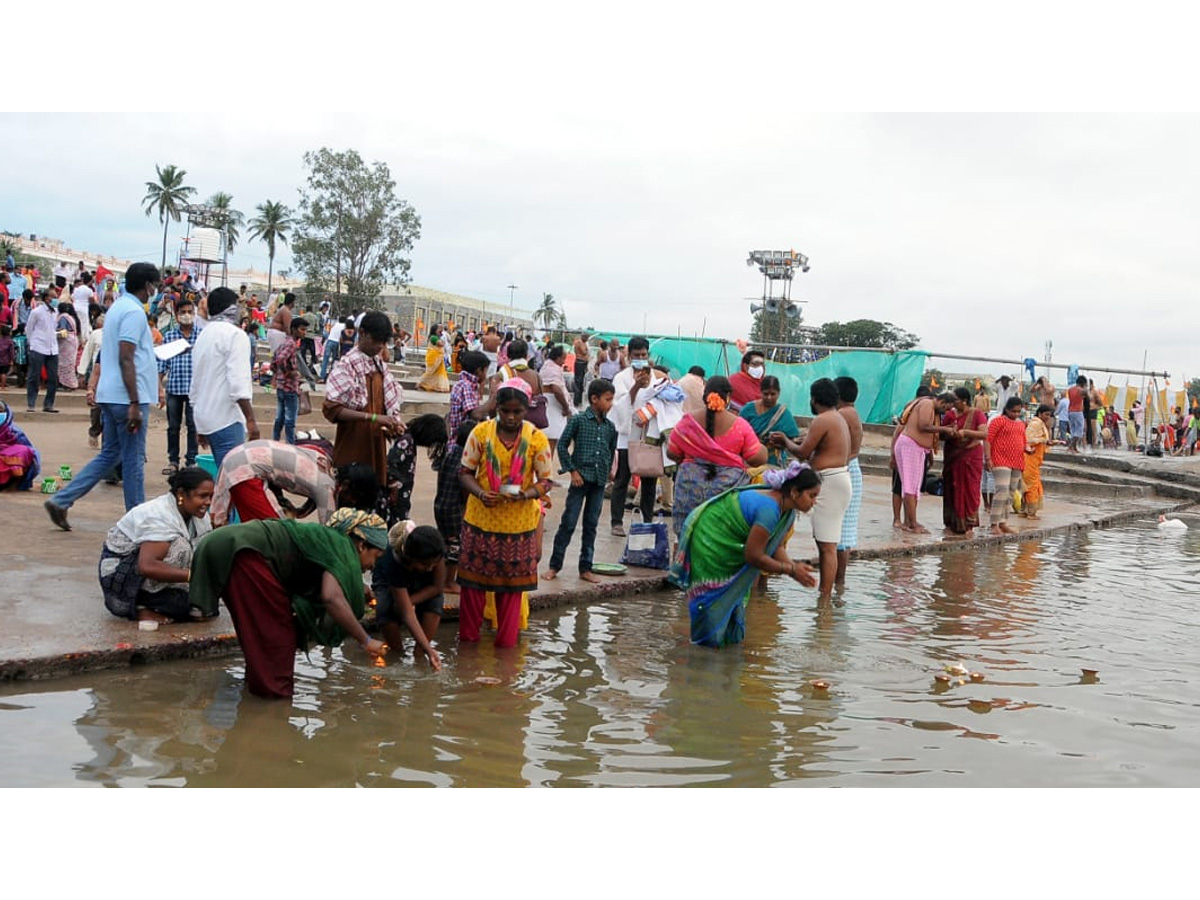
column 613, row 694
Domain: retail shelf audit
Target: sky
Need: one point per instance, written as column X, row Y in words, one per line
column 633, row 193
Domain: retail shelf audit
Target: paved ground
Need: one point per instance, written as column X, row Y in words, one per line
column 56, row 622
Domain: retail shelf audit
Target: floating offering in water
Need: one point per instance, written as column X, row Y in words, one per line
column 956, row 669
column 819, row 685
column 487, row 679
column 1090, row 673
column 941, row 679
column 977, row 676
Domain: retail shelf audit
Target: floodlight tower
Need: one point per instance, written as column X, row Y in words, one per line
column 777, row 266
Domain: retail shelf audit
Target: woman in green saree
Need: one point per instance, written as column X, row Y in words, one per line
column 287, row 584
column 767, row 415
column 728, row 540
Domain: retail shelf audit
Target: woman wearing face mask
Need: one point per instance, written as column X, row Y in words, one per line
column 732, row 538
column 747, row 384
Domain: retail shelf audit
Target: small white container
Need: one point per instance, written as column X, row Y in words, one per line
column 147, row 625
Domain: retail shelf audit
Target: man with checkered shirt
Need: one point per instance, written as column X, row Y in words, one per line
column 175, row 376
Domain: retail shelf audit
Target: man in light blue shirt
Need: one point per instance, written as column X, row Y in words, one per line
column 128, row 385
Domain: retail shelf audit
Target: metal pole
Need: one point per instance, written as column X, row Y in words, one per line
column 931, row 353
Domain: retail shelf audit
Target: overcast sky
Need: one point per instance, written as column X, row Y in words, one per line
column 985, row 234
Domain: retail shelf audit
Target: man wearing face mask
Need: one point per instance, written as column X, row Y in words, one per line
column 747, row 384
column 639, row 408
column 175, row 383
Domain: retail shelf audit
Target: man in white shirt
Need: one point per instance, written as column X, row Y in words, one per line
column 41, row 331
column 331, row 352
column 1005, row 388
column 638, row 380
column 222, row 386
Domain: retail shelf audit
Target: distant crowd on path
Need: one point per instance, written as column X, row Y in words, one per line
column 993, row 449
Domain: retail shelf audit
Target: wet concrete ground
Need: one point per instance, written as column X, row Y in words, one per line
column 56, row 622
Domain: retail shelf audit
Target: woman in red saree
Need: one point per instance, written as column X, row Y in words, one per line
column 963, row 468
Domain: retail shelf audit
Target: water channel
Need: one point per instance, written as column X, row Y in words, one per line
column 613, row 694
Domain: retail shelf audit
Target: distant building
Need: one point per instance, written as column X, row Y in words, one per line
column 416, row 309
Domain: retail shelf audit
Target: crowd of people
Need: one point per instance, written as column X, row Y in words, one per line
column 720, row 456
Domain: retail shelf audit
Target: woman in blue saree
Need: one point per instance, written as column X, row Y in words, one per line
column 767, row 415
column 730, row 539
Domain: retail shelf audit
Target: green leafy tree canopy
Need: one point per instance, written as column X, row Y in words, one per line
column 354, row 234
column 866, row 333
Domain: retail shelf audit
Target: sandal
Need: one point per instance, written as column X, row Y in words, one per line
column 170, row 469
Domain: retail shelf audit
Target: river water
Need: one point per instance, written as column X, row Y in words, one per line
column 614, row 694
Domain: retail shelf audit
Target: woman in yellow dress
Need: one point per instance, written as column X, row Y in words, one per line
column 505, row 472
column 435, row 378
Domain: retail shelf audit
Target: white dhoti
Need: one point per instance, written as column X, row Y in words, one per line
column 832, row 503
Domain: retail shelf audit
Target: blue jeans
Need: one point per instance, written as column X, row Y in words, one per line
column 120, row 446
column 331, row 353
column 221, row 442
column 590, row 499
column 33, row 378
column 287, row 407
column 177, row 405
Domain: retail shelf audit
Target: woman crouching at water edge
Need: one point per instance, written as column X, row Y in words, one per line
column 145, row 565
column 730, row 539
column 287, row 584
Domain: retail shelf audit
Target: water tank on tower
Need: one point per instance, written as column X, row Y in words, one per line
column 204, row 245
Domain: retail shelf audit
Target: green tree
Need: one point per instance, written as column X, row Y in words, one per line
column 167, row 196
column 548, row 313
column 866, row 333
column 353, row 229
column 271, row 225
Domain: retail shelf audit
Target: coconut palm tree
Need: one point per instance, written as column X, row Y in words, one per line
column 270, row 225
column 167, row 197
column 548, row 312
column 227, row 220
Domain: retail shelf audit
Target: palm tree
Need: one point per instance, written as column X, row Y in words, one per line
column 270, row 225
column 548, row 313
column 228, row 220
column 167, row 197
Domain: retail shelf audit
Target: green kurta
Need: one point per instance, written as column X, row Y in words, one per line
column 297, row 553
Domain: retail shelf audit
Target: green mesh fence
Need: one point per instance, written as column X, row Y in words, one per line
column 886, row 381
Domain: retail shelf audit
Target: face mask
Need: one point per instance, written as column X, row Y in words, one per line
column 755, row 371
column 186, row 319
column 640, row 363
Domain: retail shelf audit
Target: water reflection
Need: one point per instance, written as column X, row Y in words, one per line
column 614, row 694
